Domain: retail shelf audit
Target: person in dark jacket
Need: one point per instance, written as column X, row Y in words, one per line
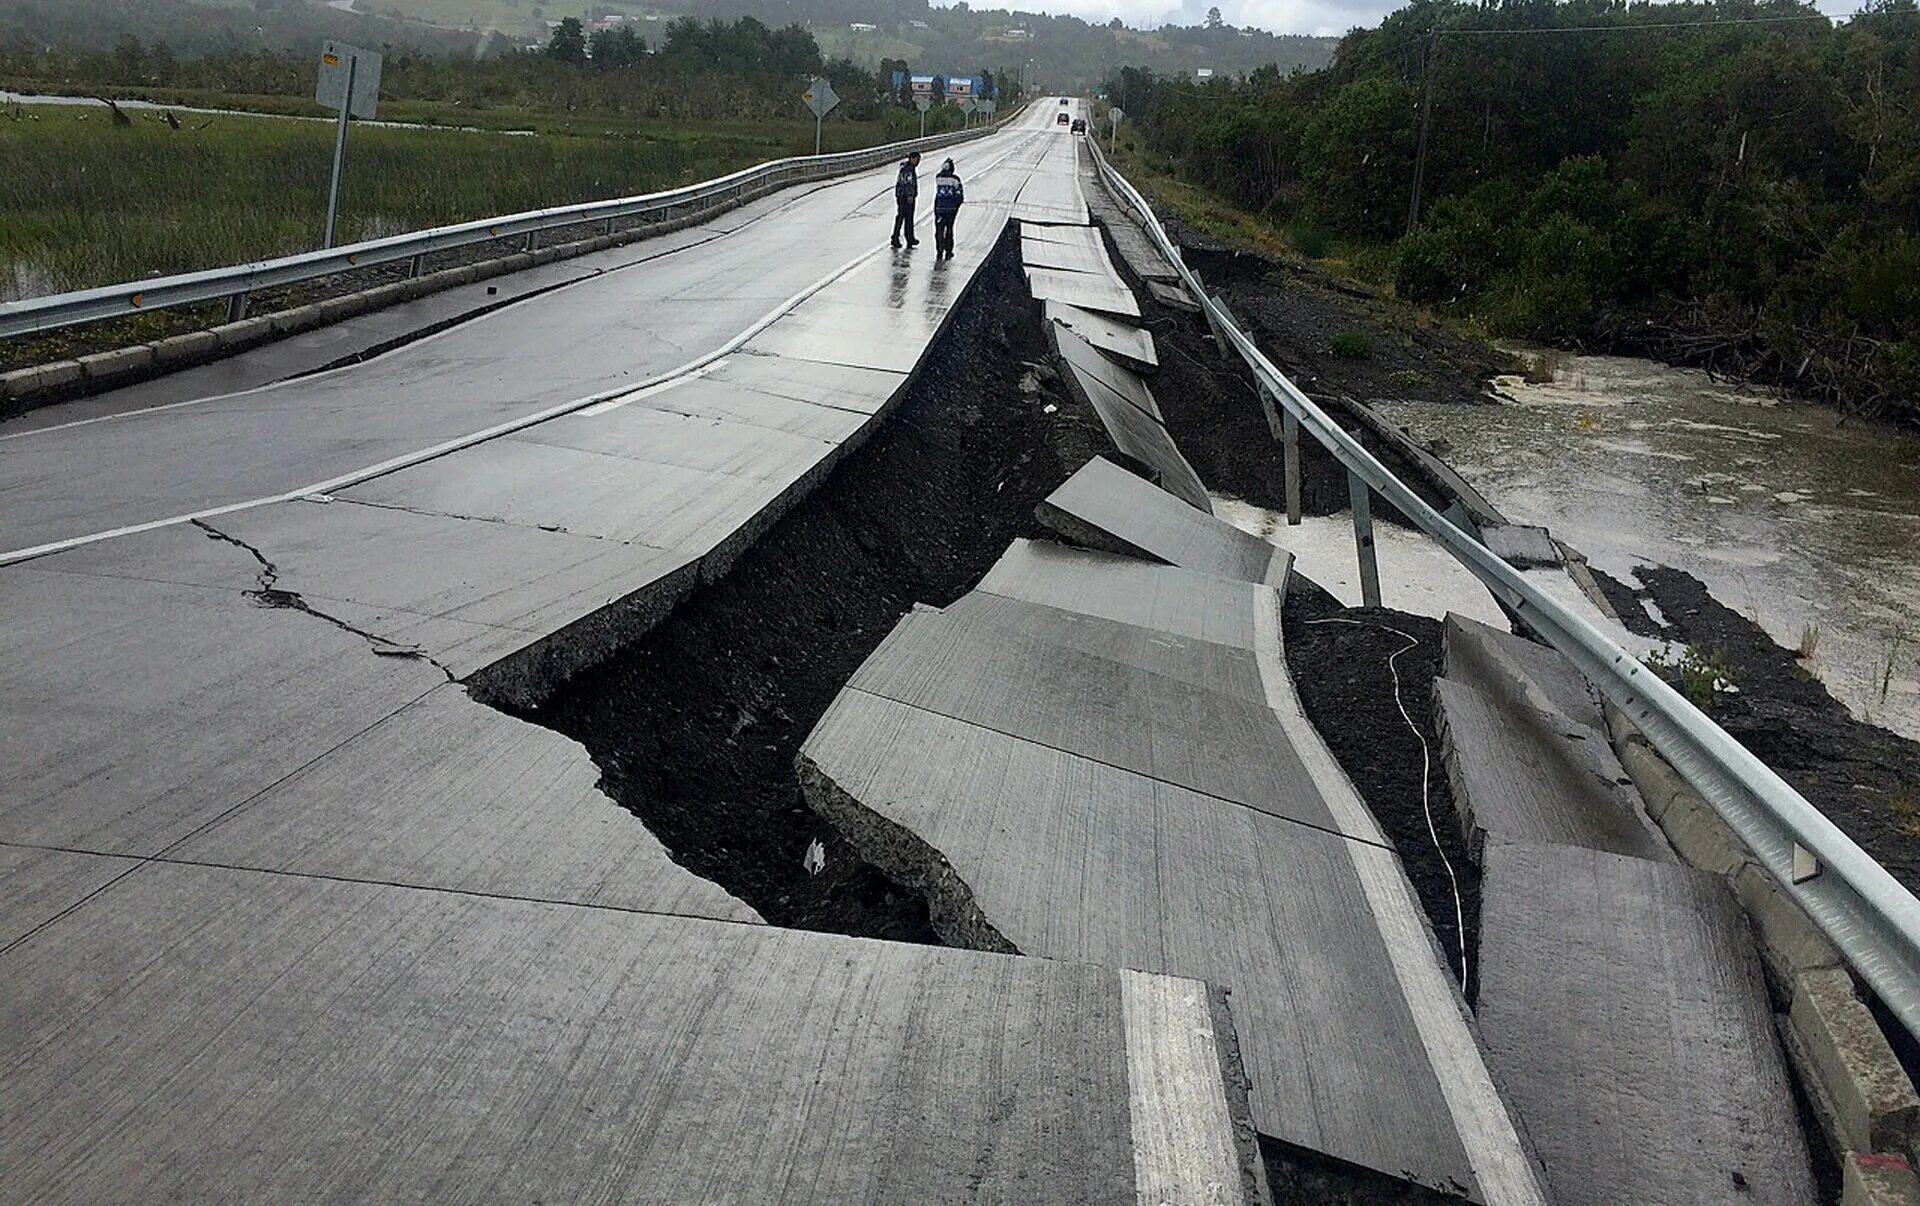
column 948, row 197
column 906, row 190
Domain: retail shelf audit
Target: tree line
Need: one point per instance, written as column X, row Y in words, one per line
column 1733, row 184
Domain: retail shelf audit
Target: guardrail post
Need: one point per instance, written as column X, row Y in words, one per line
column 1357, row 492
column 1290, row 458
column 414, row 264
column 532, row 235
column 236, row 307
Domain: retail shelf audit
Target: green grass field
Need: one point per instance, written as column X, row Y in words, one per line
column 83, row 203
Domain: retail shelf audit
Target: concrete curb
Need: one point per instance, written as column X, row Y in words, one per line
column 1862, row 1096
column 1877, row 1180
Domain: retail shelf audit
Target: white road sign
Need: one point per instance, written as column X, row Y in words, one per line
column 338, row 62
column 820, row 97
column 968, row 105
column 923, row 103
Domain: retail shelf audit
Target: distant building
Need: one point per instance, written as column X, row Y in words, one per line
column 1204, row 73
column 916, row 25
column 1018, row 35
column 861, row 27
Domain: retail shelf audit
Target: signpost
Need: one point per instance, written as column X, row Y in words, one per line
column 350, row 83
column 923, row 103
column 1114, row 115
column 820, row 98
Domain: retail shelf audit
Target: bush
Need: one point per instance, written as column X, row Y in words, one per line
column 1352, row 345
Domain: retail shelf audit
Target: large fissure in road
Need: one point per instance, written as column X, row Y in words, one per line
column 695, row 724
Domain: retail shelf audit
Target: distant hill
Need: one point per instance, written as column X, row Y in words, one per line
column 1065, row 52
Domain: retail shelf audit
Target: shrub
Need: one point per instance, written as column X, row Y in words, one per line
column 1352, row 345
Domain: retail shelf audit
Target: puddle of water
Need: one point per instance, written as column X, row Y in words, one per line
column 1801, row 522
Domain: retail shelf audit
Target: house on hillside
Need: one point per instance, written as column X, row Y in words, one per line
column 862, row 27
column 959, row 87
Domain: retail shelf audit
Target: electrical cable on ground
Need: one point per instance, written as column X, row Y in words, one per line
column 1426, row 770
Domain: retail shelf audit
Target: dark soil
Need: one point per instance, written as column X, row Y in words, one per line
column 1297, row 1176
column 1338, row 657
column 695, row 727
column 1213, row 410
column 1865, row 779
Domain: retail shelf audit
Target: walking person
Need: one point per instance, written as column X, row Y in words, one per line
column 948, row 197
column 906, row 190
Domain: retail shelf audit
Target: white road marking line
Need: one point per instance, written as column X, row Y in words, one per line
column 612, row 404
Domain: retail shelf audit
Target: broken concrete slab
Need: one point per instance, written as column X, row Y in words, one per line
column 1071, row 236
column 1106, row 507
column 1037, row 848
column 1137, row 435
column 1085, row 360
column 1502, row 664
column 1110, row 708
column 1124, row 589
column 394, row 1044
column 1082, row 289
column 1865, row 1099
column 1522, row 546
column 1623, row 1011
column 1068, row 257
column 1520, row 774
column 1128, row 344
column 1173, row 296
column 449, row 793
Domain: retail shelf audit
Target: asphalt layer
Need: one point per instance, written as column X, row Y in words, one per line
column 696, row 725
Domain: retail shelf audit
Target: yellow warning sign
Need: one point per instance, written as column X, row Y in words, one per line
column 331, row 60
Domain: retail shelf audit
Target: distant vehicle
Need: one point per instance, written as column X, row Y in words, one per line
column 1063, row 120
column 1063, row 100
column 1079, row 126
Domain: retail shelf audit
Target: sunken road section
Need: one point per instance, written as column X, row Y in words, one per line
column 695, row 725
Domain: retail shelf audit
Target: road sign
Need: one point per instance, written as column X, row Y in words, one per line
column 820, row 97
column 349, row 84
column 923, row 103
column 989, row 106
column 348, row 71
column 1115, row 115
column 968, row 105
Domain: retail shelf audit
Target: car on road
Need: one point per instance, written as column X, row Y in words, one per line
column 1079, row 126
column 1063, row 101
column 1063, row 120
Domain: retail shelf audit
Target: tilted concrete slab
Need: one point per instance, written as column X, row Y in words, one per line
column 1082, row 289
column 37, row 885
column 1500, row 663
column 1522, row 774
column 1072, row 236
column 1088, row 361
column 1124, row 589
column 1106, row 507
column 1138, row 436
column 1623, row 1010
column 1521, row 545
column 243, row 1036
column 1130, row 345
column 1111, row 708
column 1025, row 833
column 449, row 793
column 1068, row 257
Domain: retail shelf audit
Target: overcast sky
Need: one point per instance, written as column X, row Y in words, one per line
column 1281, row 16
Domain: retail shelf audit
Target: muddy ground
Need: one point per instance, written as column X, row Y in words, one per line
column 1865, row 779
column 917, row 514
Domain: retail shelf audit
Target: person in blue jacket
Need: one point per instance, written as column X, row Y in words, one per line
column 906, row 190
column 948, row 197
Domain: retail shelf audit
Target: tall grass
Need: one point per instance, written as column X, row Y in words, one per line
column 84, row 203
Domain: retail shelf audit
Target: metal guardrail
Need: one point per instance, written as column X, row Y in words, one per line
column 233, row 284
column 1864, row 911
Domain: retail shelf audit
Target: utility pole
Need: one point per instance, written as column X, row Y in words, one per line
column 1426, row 127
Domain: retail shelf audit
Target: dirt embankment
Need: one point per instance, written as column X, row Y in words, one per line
column 1865, row 779
column 695, row 726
